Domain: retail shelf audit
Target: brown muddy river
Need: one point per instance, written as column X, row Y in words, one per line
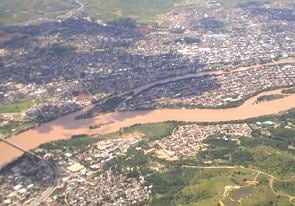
column 67, row 126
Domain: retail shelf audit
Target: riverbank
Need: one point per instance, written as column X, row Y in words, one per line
column 68, row 126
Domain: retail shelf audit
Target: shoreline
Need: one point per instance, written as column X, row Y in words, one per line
column 67, row 126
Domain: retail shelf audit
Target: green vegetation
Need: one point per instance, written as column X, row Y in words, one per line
column 57, row 192
column 235, row 165
column 75, row 142
column 15, row 11
column 273, row 161
column 289, row 91
column 260, row 195
column 268, row 153
column 230, row 104
column 133, row 164
column 151, row 131
column 185, row 182
column 283, row 201
column 141, row 10
column 13, row 127
column 144, row 11
column 266, row 98
column 15, row 107
column 288, row 187
column 283, row 119
column 190, row 186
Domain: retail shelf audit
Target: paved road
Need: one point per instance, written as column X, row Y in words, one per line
column 254, row 181
column 202, row 74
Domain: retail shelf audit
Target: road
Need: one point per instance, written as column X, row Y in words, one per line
column 6, row 141
column 254, row 181
column 143, row 88
column 68, row 125
column 50, row 189
column 72, row 12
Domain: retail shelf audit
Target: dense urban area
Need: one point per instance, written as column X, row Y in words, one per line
column 215, row 57
column 194, row 54
column 144, row 164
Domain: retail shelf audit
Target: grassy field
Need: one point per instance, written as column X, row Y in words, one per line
column 15, row 11
column 15, row 107
column 150, row 131
column 141, row 10
column 273, row 161
column 144, row 11
column 205, row 187
column 7, row 129
column 250, row 169
column 176, row 184
column 288, row 187
column 75, row 142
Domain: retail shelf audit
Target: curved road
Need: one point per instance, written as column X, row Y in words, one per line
column 254, row 181
column 288, row 60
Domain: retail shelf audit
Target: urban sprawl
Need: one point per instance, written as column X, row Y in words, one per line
column 212, row 58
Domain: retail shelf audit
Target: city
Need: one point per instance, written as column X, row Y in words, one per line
column 177, row 102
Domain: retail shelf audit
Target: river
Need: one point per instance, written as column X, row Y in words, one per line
column 67, row 126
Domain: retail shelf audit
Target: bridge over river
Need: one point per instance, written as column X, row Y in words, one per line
column 67, row 126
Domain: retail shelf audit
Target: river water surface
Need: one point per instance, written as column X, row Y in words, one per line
column 67, row 126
